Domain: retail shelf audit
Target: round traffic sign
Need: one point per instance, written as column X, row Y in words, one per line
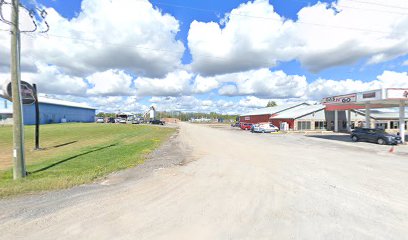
column 27, row 92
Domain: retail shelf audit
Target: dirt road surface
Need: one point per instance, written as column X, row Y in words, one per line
column 224, row 184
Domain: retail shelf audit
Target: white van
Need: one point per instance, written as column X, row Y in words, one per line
column 264, row 128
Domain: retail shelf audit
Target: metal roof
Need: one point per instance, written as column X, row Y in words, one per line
column 59, row 102
column 6, row 111
column 273, row 110
column 299, row 112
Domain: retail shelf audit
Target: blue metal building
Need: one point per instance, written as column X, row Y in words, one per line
column 58, row 111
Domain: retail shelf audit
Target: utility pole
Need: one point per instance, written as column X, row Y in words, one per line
column 19, row 170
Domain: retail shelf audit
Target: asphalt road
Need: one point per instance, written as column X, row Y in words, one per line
column 223, row 184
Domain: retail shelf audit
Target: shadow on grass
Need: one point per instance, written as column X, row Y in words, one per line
column 59, row 145
column 341, row 138
column 70, row 158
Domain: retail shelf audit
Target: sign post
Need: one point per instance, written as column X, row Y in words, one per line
column 37, row 119
column 21, row 94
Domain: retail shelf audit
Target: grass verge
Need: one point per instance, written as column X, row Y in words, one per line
column 76, row 153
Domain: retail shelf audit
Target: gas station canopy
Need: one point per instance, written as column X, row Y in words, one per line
column 380, row 98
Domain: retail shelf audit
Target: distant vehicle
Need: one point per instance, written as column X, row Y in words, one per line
column 100, row 120
column 135, row 121
column 264, row 128
column 122, row 120
column 235, row 124
column 246, row 126
column 157, row 122
column 111, row 120
column 374, row 135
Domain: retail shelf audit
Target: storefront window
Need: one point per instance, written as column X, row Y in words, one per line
column 321, row 125
column 303, row 125
column 381, row 125
column 394, row 124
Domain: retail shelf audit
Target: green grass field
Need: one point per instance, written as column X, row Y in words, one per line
column 76, row 153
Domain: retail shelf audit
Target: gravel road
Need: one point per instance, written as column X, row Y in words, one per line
column 223, row 184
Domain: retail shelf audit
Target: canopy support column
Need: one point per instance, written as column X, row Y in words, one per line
column 349, row 120
column 367, row 116
column 336, row 120
column 402, row 120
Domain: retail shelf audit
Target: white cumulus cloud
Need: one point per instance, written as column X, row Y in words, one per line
column 324, row 35
column 173, row 84
column 110, row 83
column 129, row 35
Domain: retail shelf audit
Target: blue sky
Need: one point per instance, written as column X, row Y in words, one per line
column 213, row 10
column 182, row 53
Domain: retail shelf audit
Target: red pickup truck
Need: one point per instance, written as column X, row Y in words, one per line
column 246, row 126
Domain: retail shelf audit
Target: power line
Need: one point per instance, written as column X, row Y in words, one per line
column 237, row 14
column 365, row 2
column 204, row 55
column 150, row 49
column 378, row 4
column 373, row 10
column 278, row 20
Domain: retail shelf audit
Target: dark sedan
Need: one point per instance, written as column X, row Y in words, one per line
column 157, row 122
column 374, row 135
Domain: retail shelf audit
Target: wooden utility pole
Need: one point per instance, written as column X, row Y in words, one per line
column 19, row 170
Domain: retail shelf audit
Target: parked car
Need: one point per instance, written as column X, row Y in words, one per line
column 237, row 124
column 246, row 126
column 374, row 135
column 100, row 120
column 122, row 120
column 264, row 128
column 111, row 120
column 157, row 122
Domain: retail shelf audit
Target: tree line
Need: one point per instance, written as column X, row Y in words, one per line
column 180, row 115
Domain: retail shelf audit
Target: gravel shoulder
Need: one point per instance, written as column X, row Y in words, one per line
column 222, row 184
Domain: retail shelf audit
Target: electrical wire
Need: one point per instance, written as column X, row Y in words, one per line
column 274, row 19
column 364, row 9
column 167, row 51
column 31, row 13
column 236, row 14
column 378, row 4
column 374, row 10
column 203, row 55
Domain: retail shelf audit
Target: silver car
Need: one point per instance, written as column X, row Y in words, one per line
column 264, row 128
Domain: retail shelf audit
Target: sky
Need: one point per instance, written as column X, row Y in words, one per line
column 210, row 56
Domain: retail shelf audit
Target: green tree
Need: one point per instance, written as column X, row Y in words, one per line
column 271, row 104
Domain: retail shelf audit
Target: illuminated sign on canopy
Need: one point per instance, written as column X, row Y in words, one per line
column 395, row 93
column 341, row 99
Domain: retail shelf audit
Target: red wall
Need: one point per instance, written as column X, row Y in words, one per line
column 277, row 122
column 256, row 118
